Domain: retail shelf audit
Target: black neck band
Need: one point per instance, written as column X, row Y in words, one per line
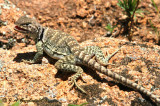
column 41, row 34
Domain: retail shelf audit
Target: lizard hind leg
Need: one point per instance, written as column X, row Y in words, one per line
column 67, row 64
column 111, row 55
column 100, row 57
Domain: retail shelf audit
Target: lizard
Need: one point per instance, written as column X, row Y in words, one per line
column 63, row 47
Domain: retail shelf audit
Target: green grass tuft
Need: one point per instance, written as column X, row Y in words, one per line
column 83, row 104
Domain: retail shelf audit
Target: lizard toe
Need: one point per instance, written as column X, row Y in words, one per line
column 72, row 82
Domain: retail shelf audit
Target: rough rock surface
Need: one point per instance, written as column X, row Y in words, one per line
column 87, row 19
column 137, row 61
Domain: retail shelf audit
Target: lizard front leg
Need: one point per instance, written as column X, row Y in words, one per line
column 38, row 56
column 67, row 64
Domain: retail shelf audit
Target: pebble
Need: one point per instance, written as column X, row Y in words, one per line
column 62, row 100
column 107, row 4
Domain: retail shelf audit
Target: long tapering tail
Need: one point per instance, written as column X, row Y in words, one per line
column 92, row 63
column 87, row 60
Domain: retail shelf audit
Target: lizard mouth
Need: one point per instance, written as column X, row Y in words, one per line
column 17, row 28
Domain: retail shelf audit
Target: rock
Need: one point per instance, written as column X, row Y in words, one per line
column 82, row 13
column 114, row 2
column 84, row 24
column 107, row 4
column 157, row 2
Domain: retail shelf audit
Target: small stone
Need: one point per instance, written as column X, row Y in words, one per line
column 3, row 33
column 45, row 61
column 4, row 46
column 60, row 20
column 124, row 17
column 150, row 36
column 13, row 6
column 82, row 12
column 31, row 104
column 157, row 2
column 62, row 100
column 84, row 24
column 114, row 2
column 17, row 9
column 24, row 12
column 107, row 4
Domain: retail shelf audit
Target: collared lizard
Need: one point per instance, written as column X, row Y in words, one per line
column 70, row 54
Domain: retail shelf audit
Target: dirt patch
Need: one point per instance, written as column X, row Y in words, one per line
column 87, row 19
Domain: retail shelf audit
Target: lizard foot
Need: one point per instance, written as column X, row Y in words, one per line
column 72, row 82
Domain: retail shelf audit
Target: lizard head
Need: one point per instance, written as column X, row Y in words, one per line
column 28, row 26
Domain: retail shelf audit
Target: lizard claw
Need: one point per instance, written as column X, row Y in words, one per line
column 73, row 82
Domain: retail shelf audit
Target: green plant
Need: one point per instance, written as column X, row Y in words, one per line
column 110, row 28
column 14, row 104
column 155, row 29
column 1, row 103
column 152, row 26
column 78, row 105
column 130, row 7
column 154, row 4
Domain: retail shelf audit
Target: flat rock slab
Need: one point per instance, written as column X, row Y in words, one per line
column 136, row 61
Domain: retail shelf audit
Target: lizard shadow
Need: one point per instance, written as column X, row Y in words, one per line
column 30, row 55
column 25, row 56
column 65, row 75
column 97, row 77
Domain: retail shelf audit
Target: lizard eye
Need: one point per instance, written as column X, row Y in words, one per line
column 26, row 24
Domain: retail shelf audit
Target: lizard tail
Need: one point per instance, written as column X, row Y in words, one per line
column 126, row 82
column 75, row 48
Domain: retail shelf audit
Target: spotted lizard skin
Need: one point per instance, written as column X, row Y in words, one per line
column 70, row 54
